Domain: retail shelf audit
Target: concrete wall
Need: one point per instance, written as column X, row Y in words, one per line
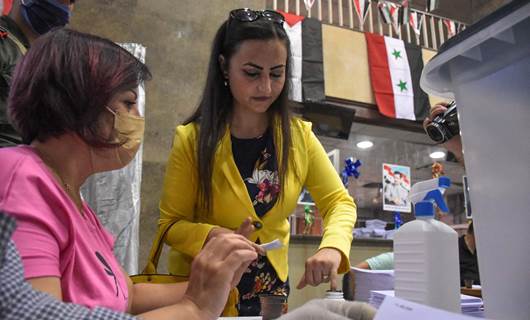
column 177, row 35
column 481, row 8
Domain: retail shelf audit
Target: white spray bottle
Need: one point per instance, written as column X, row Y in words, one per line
column 426, row 251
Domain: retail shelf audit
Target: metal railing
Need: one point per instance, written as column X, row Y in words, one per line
column 432, row 33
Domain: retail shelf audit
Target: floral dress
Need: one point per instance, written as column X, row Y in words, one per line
column 256, row 160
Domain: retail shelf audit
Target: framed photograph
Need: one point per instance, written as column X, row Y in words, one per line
column 396, row 188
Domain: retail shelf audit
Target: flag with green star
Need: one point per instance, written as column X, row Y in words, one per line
column 395, row 70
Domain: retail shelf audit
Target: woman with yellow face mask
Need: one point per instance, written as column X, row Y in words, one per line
column 73, row 100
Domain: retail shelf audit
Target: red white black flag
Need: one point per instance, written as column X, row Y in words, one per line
column 307, row 71
column 415, row 23
column 361, row 7
column 395, row 70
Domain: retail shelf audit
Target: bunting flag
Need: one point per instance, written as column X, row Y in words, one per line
column 293, row 28
column 414, row 23
column 312, row 61
column 395, row 70
column 460, row 27
column 450, row 26
column 307, row 71
column 361, row 7
column 309, row 4
column 432, row 5
column 384, row 12
column 394, row 15
column 404, row 12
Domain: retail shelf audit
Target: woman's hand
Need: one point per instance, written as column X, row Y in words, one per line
column 321, row 267
column 245, row 229
column 218, row 268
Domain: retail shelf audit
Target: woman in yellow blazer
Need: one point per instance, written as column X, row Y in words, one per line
column 240, row 162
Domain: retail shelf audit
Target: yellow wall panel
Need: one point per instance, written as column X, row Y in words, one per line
column 346, row 72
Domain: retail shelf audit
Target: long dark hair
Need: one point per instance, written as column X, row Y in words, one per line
column 216, row 103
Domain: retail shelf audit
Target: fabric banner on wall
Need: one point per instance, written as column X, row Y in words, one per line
column 293, row 28
column 395, row 70
column 312, row 61
column 307, row 65
column 115, row 195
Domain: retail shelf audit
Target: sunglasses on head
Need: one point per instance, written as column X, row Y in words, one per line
column 248, row 15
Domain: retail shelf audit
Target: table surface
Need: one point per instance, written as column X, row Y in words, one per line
column 475, row 292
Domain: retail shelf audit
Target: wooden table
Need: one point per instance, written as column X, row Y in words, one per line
column 475, row 292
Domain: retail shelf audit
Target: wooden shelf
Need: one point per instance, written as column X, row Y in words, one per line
column 311, row 239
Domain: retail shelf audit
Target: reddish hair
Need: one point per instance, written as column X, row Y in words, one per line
column 64, row 83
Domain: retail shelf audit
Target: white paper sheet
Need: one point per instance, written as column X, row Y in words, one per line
column 398, row 309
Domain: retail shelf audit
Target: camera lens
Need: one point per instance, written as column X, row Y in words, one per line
column 435, row 133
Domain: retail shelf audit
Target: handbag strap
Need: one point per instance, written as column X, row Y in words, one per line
column 17, row 42
column 156, row 249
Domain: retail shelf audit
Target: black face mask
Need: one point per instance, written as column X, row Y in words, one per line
column 44, row 15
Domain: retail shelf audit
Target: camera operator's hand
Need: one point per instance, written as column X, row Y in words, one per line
column 455, row 143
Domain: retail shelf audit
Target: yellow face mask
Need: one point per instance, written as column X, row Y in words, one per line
column 130, row 132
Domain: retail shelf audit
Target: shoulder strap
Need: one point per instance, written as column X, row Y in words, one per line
column 156, row 249
column 17, row 42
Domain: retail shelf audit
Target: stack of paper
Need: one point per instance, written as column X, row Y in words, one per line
column 368, row 280
column 398, row 309
column 472, row 306
column 375, row 228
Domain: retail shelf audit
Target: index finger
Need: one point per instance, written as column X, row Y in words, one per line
column 437, row 109
column 333, row 280
column 246, row 227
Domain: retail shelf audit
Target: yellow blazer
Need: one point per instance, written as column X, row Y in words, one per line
column 309, row 166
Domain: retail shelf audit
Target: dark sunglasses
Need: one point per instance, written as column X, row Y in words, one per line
column 248, row 15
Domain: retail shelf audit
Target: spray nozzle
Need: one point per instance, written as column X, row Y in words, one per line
column 426, row 193
column 436, row 197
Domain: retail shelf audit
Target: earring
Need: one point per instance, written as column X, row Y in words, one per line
column 226, row 83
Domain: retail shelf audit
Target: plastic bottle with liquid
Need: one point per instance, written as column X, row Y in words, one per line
column 334, row 295
column 426, row 252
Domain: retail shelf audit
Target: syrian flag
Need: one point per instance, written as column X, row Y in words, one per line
column 451, row 27
column 460, row 27
column 384, row 12
column 432, row 5
column 307, row 59
column 394, row 16
column 395, row 70
column 361, row 7
column 404, row 12
column 414, row 23
column 309, row 4
column 293, row 27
